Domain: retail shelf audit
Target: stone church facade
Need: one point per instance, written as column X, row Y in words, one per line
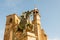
column 23, row 28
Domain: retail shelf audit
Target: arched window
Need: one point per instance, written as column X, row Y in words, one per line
column 36, row 11
column 10, row 20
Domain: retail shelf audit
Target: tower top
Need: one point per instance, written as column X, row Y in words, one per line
column 35, row 8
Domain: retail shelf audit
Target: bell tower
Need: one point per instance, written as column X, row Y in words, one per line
column 11, row 23
column 37, row 23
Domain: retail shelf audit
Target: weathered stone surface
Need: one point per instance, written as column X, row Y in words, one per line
column 30, row 32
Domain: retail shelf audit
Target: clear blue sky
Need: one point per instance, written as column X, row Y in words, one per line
column 49, row 11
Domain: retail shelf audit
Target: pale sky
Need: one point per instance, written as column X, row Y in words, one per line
column 49, row 11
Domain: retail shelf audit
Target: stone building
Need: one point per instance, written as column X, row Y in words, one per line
column 23, row 28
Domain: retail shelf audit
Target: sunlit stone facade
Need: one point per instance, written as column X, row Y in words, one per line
column 34, row 32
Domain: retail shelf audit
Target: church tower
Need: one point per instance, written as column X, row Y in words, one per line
column 11, row 23
column 37, row 23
